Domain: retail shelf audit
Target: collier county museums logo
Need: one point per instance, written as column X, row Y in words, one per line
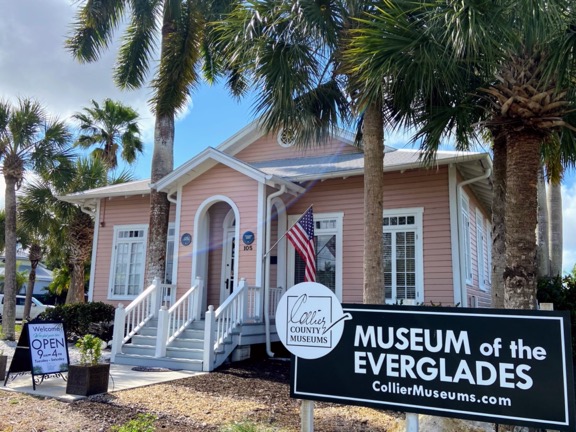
column 310, row 320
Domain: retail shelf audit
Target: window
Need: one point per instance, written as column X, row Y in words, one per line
column 128, row 261
column 489, row 253
column 169, row 254
column 480, row 245
column 328, row 243
column 466, row 233
column 403, row 254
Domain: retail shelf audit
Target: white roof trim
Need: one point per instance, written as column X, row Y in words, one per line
column 188, row 171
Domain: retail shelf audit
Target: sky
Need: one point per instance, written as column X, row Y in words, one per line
column 34, row 63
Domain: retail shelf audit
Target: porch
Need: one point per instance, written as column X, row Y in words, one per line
column 156, row 330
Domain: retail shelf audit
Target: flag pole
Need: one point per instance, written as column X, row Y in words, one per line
column 287, row 231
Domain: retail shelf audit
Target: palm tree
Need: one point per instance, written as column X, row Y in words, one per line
column 27, row 141
column 112, row 127
column 185, row 53
column 69, row 226
column 518, row 59
column 291, row 52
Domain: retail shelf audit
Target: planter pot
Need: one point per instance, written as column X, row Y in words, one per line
column 3, row 365
column 88, row 380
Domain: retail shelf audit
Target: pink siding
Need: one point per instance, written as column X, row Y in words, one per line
column 267, row 148
column 243, row 191
column 113, row 212
column 416, row 188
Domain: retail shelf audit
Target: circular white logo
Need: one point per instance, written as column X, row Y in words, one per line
column 310, row 320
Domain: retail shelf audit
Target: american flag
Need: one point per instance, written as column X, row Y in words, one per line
column 301, row 235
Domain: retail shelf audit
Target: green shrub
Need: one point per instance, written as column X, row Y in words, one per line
column 142, row 423
column 562, row 292
column 79, row 318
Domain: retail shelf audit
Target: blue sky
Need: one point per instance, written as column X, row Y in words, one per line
column 34, row 63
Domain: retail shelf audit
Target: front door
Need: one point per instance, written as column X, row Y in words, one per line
column 228, row 264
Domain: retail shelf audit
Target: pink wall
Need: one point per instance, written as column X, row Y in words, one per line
column 415, row 188
column 113, row 212
column 243, row 191
column 267, row 148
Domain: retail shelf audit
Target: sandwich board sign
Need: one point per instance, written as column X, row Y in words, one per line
column 41, row 351
column 504, row 366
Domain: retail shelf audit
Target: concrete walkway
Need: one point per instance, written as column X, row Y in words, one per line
column 122, row 377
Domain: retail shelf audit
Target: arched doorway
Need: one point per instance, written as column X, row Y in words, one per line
column 215, row 249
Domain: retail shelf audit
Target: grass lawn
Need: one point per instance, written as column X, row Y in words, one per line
column 18, row 331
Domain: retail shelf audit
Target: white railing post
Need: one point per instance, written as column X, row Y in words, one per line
column 307, row 416
column 412, row 422
column 118, row 335
column 156, row 300
column 209, row 324
column 162, row 336
column 200, row 284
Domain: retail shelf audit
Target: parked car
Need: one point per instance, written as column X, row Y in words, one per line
column 36, row 308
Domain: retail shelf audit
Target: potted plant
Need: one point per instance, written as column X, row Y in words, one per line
column 89, row 377
column 3, row 365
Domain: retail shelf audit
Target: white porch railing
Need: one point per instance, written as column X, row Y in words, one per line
column 275, row 294
column 220, row 324
column 128, row 321
column 173, row 321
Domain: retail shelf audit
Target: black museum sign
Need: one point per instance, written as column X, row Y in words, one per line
column 504, row 366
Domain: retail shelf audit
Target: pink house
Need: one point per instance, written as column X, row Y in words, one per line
column 232, row 203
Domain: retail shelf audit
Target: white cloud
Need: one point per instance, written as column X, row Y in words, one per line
column 36, row 64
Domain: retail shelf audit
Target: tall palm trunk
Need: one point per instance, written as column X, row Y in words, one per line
column 498, row 226
column 10, row 288
column 35, row 255
column 162, row 165
column 81, row 236
column 523, row 163
column 555, row 226
column 373, row 138
column 543, row 253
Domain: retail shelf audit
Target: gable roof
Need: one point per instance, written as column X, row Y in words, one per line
column 211, row 157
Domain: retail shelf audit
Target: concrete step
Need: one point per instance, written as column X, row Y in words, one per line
column 144, row 340
column 165, row 362
column 184, row 353
column 180, row 342
column 132, row 349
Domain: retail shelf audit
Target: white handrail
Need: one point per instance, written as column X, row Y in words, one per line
column 184, row 311
column 229, row 315
column 128, row 321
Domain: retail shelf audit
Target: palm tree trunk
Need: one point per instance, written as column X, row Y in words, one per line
column 10, row 288
column 373, row 138
column 498, row 227
column 543, row 217
column 81, row 238
column 523, row 163
column 162, row 164
column 555, row 227
column 35, row 255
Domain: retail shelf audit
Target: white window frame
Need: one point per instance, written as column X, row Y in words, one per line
column 489, row 253
column 418, row 213
column 480, row 255
column 339, row 218
column 116, row 241
column 171, row 238
column 465, row 210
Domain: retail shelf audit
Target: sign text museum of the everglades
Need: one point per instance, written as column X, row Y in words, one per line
column 491, row 365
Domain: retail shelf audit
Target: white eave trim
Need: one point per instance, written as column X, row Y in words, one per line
column 188, row 171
